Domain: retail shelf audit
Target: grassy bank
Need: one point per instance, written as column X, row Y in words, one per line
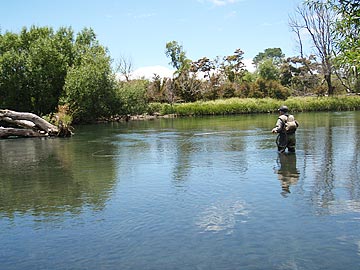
column 251, row 105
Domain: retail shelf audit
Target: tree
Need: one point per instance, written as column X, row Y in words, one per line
column 300, row 73
column 132, row 97
column 13, row 76
column 159, row 90
column 41, row 69
column 64, row 43
column 187, row 87
column 125, row 67
column 316, row 19
column 203, row 65
column 33, row 65
column 46, row 75
column 90, row 84
column 185, row 84
column 274, row 54
column 178, row 57
column 348, row 43
column 268, row 71
column 210, row 83
column 233, row 66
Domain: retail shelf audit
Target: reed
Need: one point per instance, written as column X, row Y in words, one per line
column 266, row 105
column 335, row 103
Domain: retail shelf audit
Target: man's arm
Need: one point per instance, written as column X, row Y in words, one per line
column 278, row 127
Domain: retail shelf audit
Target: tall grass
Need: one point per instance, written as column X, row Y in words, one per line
column 266, row 105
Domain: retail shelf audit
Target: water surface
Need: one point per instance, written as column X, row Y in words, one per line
column 194, row 193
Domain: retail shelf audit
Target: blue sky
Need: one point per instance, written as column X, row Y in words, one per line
column 139, row 30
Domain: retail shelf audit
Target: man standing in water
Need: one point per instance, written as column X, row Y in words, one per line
column 286, row 126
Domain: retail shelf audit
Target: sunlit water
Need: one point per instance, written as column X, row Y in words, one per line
column 195, row 193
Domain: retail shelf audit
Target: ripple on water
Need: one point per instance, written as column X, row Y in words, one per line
column 223, row 216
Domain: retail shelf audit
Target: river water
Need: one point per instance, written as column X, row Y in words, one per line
column 186, row 193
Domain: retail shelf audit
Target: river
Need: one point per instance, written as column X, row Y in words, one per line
column 184, row 193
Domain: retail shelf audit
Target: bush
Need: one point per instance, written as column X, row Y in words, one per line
column 153, row 108
column 90, row 88
column 269, row 88
column 227, row 89
column 243, row 91
column 132, row 97
column 277, row 91
column 264, row 105
column 227, row 106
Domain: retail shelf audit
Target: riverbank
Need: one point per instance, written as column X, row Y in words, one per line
column 252, row 105
column 234, row 106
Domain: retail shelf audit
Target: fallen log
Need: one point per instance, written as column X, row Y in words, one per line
column 20, row 132
column 20, row 123
column 38, row 121
column 23, row 124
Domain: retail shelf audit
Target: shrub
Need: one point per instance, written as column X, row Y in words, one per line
column 132, row 97
column 264, row 105
column 269, row 88
column 154, row 107
column 90, row 88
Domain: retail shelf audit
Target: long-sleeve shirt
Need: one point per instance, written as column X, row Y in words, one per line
column 280, row 123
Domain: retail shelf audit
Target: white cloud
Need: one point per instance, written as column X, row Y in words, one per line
column 164, row 72
column 149, row 71
column 249, row 64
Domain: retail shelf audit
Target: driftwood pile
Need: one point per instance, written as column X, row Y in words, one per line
column 22, row 124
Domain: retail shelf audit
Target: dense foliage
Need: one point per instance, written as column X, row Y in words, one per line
column 33, row 68
column 264, row 105
column 90, row 84
column 347, row 42
column 42, row 69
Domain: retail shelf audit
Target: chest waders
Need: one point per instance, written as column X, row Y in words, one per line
column 282, row 140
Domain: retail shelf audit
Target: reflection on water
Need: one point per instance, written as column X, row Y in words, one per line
column 287, row 172
column 51, row 176
column 195, row 193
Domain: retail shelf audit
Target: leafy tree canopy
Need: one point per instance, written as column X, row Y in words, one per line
column 176, row 53
column 36, row 63
column 33, row 67
column 275, row 54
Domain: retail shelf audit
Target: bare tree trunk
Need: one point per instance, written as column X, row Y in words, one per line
column 296, row 28
column 329, row 84
column 316, row 19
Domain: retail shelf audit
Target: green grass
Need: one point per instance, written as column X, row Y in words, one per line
column 252, row 105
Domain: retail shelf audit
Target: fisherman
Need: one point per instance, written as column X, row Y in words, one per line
column 286, row 126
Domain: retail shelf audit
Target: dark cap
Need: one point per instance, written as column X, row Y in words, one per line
column 283, row 109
